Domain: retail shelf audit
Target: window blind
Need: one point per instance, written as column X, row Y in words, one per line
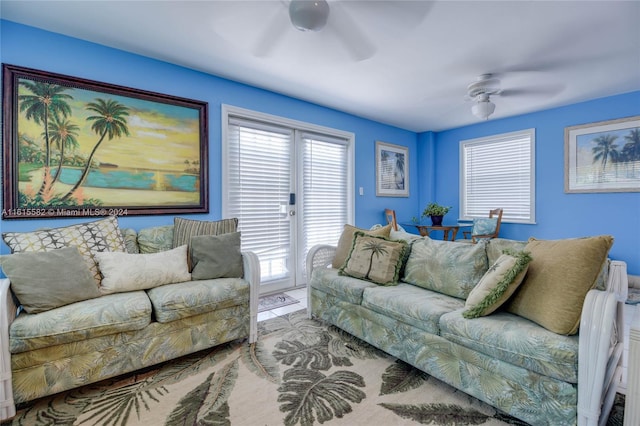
column 499, row 171
column 325, row 206
column 257, row 150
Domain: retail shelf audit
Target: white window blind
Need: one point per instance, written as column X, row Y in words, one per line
column 325, row 192
column 499, row 171
column 256, row 150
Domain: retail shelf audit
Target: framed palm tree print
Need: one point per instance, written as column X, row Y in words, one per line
column 603, row 156
column 75, row 147
column 392, row 170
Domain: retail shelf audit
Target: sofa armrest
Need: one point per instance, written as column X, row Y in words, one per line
column 8, row 311
column 251, row 269
column 319, row 256
column 600, row 347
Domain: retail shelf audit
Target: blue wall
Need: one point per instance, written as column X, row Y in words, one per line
column 558, row 215
column 29, row 47
column 433, row 157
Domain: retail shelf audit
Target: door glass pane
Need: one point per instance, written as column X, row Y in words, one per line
column 259, row 182
column 324, row 193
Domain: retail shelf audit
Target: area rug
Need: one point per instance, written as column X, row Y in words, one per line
column 301, row 372
column 273, row 301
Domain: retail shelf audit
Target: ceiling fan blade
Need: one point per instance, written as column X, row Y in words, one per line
column 278, row 26
column 350, row 34
column 543, row 90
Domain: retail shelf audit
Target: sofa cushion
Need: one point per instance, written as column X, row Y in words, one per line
column 130, row 237
column 47, row 280
column 446, row 267
column 216, row 256
column 411, row 305
column 496, row 246
column 102, row 316
column 93, row 237
column 155, row 239
column 375, row 258
column 345, row 243
column 497, row 285
column 560, row 274
column 517, row 341
column 175, row 301
column 129, row 272
column 329, row 281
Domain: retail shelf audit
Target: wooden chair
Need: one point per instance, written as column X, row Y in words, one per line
column 474, row 237
column 391, row 218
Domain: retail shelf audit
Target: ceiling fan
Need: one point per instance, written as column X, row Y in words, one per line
column 487, row 85
column 480, row 92
column 346, row 21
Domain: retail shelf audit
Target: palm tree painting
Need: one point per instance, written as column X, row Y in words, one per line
column 79, row 147
column 603, row 157
column 391, row 170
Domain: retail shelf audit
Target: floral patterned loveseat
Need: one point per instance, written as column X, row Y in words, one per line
column 153, row 302
column 509, row 355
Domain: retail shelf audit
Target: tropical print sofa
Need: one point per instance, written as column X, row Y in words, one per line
column 544, row 361
column 154, row 301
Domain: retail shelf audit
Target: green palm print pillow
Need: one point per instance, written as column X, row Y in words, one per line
column 375, row 259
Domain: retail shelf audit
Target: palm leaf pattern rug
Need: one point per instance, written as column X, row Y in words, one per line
column 300, row 372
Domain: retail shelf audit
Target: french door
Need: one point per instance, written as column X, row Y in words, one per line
column 290, row 186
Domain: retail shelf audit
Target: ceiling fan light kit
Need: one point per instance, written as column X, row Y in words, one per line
column 309, row 15
column 483, row 108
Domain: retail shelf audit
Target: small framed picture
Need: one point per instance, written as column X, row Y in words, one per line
column 392, row 170
column 603, row 156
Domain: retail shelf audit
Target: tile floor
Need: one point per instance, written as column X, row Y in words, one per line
column 300, row 294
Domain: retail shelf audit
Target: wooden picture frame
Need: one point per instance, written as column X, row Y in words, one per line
column 603, row 156
column 76, row 147
column 392, row 170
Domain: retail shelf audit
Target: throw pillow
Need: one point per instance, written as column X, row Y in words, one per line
column 129, row 272
column 216, row 256
column 560, row 274
column 345, row 243
column 484, row 226
column 497, row 285
column 184, row 229
column 375, row 259
column 47, row 280
column 89, row 238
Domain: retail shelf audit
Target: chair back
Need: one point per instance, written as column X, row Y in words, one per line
column 391, row 218
column 477, row 233
column 498, row 213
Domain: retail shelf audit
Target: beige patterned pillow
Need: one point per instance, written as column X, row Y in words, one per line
column 375, row 259
column 89, row 238
column 346, row 242
column 130, row 272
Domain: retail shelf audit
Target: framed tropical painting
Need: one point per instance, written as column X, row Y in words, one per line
column 603, row 156
column 75, row 147
column 392, row 170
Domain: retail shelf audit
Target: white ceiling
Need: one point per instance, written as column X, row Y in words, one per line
column 546, row 53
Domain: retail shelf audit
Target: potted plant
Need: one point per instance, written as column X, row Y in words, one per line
column 436, row 212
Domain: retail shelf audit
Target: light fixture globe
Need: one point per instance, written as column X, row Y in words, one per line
column 483, row 108
column 309, row 15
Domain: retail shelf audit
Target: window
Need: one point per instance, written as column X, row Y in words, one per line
column 499, row 171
